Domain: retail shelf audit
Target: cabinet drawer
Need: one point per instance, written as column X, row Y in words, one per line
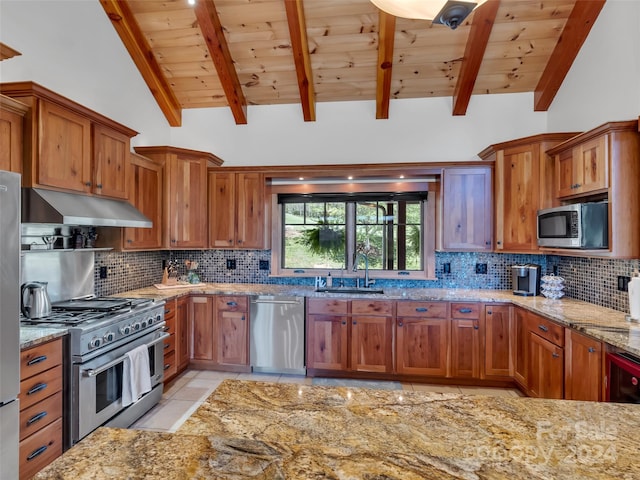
column 170, row 366
column 37, row 388
column 465, row 310
column 169, row 344
column 40, row 415
column 170, row 326
column 40, row 449
column 371, row 307
column 422, row 309
column 231, row 304
column 38, row 359
column 169, row 309
column 325, row 306
column 546, row 329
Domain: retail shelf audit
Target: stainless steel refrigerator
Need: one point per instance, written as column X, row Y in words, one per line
column 9, row 322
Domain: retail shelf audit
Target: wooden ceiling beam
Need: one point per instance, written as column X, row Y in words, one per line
column 301, row 57
column 386, row 39
column 578, row 26
column 136, row 44
column 477, row 41
column 213, row 34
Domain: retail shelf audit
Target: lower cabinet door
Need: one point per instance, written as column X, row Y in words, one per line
column 422, row 346
column 327, row 342
column 545, row 368
column 465, row 348
column 371, row 344
column 232, row 336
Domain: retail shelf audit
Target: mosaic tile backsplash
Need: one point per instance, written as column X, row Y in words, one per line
column 590, row 279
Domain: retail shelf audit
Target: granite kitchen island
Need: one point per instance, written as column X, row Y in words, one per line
column 249, row 429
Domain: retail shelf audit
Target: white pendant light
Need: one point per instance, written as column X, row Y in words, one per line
column 450, row 13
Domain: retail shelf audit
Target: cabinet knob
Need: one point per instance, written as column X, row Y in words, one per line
column 242, row 318
column 230, row 240
column 475, row 325
column 239, row 241
column 355, row 323
column 129, row 240
column 400, row 324
column 499, row 242
column 592, row 350
column 543, row 328
column 232, row 304
column 99, row 185
column 344, row 323
column 555, row 355
column 489, row 312
column 87, row 184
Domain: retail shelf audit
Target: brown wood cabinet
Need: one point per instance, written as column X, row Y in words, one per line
column 146, row 194
column 465, row 340
column 185, row 194
column 12, row 115
column 372, row 336
column 182, row 333
column 327, row 334
column 231, row 333
column 169, row 345
column 236, row 210
column 584, row 169
column 422, row 338
column 467, row 209
column 521, row 338
column 498, row 341
column 219, row 328
column 523, row 185
column 41, row 380
column 69, row 147
column 583, row 374
column 545, row 358
column 604, row 164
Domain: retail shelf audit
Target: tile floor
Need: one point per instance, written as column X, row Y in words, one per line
column 189, row 390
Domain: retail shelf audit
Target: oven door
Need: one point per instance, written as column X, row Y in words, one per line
column 623, row 378
column 97, row 392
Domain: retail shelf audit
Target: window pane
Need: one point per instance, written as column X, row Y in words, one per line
column 314, row 235
column 390, row 233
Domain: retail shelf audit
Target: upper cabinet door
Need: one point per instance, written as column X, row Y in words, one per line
column 187, row 202
column 250, row 210
column 110, row 162
column 222, row 210
column 11, row 134
column 466, row 209
column 517, row 206
column 146, row 196
column 64, row 159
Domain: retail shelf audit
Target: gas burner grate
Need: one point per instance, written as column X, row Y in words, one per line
column 65, row 318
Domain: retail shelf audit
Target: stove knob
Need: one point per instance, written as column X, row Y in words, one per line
column 95, row 343
column 135, row 326
column 109, row 337
column 158, row 318
column 150, row 321
column 126, row 330
column 144, row 324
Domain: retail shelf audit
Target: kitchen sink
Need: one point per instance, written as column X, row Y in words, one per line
column 349, row 290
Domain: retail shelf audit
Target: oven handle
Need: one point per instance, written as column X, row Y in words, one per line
column 93, row 372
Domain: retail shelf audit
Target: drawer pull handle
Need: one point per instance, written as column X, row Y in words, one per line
column 242, row 318
column 167, row 311
column 38, row 359
column 36, row 417
column 555, row 355
column 166, row 345
column 476, row 326
column 167, row 366
column 400, row 324
column 355, row 323
column 37, row 452
column 592, row 350
column 232, row 304
column 543, row 328
column 344, row 323
column 422, row 309
column 465, row 310
column 37, row 388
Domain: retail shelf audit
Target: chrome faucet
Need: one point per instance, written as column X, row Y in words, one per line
column 367, row 282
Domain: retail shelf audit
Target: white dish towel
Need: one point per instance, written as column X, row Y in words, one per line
column 136, row 375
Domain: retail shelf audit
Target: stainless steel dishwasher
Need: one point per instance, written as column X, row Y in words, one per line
column 277, row 334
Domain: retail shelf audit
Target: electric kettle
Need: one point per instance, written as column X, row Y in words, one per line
column 36, row 302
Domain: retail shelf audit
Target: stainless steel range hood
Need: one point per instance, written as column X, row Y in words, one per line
column 61, row 208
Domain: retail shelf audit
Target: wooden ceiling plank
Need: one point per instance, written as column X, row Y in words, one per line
column 6, row 52
column 477, row 40
column 386, row 35
column 301, row 57
column 578, row 26
column 134, row 41
column 209, row 22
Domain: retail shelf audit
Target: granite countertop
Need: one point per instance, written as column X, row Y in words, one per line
column 601, row 323
column 262, row 430
column 32, row 335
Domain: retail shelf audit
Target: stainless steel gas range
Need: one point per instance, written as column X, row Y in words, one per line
column 101, row 332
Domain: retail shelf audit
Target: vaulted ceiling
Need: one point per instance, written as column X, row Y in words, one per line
column 235, row 53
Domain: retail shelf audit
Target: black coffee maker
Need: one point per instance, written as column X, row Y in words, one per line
column 526, row 279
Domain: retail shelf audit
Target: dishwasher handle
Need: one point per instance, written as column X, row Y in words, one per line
column 277, row 302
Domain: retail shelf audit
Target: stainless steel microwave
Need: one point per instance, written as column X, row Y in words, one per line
column 581, row 225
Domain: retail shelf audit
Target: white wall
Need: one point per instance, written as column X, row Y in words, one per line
column 72, row 48
column 604, row 82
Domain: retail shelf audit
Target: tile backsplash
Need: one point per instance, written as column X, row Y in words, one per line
column 590, row 279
